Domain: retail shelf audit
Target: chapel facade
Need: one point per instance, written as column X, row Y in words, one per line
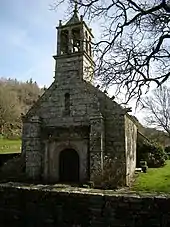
column 73, row 129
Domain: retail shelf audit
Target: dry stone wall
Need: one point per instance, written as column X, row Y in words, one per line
column 46, row 206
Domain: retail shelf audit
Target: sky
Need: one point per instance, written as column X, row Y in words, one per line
column 28, row 40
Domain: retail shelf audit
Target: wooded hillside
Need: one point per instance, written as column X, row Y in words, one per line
column 15, row 98
column 153, row 134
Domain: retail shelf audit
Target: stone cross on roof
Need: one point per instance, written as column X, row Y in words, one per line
column 75, row 7
column 75, row 18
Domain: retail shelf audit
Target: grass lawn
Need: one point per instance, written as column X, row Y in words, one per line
column 10, row 146
column 155, row 180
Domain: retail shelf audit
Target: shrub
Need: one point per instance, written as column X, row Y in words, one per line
column 112, row 175
column 167, row 151
column 153, row 153
column 13, row 169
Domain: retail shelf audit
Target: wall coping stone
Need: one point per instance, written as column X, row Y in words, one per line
column 67, row 189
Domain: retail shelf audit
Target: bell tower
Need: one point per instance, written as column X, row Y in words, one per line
column 74, row 56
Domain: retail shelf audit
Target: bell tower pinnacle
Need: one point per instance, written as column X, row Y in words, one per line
column 75, row 7
column 74, row 49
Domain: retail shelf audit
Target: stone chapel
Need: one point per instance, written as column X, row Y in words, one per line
column 74, row 128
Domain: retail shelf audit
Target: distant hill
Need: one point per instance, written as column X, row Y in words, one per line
column 157, row 136
column 15, row 98
column 153, row 134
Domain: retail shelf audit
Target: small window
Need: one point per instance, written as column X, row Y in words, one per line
column 67, row 104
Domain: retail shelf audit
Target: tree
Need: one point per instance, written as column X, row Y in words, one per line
column 134, row 49
column 9, row 108
column 151, row 152
column 158, row 108
column 15, row 98
column 156, row 135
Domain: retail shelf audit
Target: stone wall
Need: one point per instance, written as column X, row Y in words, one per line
column 114, row 138
column 31, row 146
column 115, row 147
column 46, row 206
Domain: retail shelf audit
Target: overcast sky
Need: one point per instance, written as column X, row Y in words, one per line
column 28, row 40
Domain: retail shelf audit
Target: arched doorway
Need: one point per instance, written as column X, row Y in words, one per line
column 69, row 166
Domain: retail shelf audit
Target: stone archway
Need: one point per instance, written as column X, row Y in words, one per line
column 69, row 166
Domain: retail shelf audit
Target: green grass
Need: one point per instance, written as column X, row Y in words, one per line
column 10, row 146
column 155, row 180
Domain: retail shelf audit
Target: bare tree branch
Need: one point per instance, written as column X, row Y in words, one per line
column 158, row 108
column 134, row 49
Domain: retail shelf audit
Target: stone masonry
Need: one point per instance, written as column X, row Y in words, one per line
column 73, row 128
column 44, row 205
